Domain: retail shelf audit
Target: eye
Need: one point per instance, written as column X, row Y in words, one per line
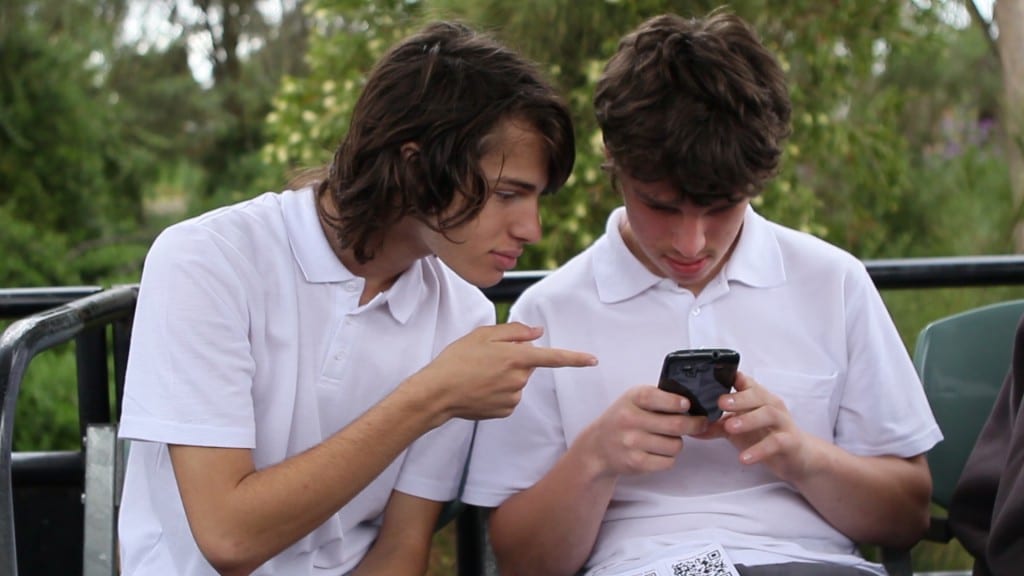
column 505, row 194
column 724, row 206
column 663, row 208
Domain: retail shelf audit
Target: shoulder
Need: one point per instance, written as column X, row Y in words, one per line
column 570, row 283
column 246, row 241
column 806, row 256
column 817, row 251
column 252, row 223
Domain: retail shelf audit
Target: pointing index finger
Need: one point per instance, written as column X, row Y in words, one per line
column 558, row 358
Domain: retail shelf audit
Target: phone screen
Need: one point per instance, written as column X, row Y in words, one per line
column 702, row 375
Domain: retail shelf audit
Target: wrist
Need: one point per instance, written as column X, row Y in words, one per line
column 588, row 457
column 422, row 395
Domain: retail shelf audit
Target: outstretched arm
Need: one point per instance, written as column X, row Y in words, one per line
column 241, row 516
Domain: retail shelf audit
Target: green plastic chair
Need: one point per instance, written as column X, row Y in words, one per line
column 962, row 361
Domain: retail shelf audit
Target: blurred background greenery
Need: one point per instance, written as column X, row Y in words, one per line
column 118, row 117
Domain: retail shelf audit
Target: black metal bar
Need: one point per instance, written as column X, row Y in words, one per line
column 122, row 336
column 888, row 274
column 20, row 302
column 951, row 272
column 64, row 467
column 93, row 378
column 470, row 541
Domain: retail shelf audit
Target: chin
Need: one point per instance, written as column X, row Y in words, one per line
column 481, row 279
column 487, row 281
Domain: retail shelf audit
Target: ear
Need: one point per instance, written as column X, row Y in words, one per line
column 410, row 150
column 608, row 168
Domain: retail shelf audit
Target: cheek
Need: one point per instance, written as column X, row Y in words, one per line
column 658, row 229
column 723, row 232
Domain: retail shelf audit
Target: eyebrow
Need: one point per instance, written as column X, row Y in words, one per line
column 676, row 201
column 523, row 184
column 655, row 201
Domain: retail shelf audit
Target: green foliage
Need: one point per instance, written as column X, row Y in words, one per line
column 33, row 256
column 310, row 114
column 70, row 175
column 46, row 417
column 50, row 131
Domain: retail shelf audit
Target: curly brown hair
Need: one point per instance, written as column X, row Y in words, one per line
column 699, row 102
column 444, row 89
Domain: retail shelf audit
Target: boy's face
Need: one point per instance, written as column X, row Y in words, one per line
column 516, row 169
column 679, row 239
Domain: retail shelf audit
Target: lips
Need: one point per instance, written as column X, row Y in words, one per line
column 686, row 267
column 507, row 258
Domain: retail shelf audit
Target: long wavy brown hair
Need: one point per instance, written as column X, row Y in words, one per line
column 443, row 90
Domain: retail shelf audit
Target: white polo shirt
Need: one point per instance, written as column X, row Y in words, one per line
column 809, row 325
column 249, row 334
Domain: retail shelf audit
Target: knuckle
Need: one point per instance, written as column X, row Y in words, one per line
column 629, row 440
column 635, row 461
column 676, row 445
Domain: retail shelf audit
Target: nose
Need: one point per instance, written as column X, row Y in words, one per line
column 526, row 222
column 689, row 236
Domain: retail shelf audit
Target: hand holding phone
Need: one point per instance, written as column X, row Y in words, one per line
column 701, row 375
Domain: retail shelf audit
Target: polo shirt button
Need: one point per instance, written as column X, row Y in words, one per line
column 695, row 311
column 351, row 287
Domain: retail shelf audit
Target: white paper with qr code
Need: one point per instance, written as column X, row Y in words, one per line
column 709, row 561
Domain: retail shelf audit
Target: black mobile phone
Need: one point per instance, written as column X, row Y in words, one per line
column 702, row 375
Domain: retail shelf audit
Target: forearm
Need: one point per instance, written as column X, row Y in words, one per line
column 240, row 519
column 403, row 544
column 391, row 561
column 874, row 500
column 550, row 528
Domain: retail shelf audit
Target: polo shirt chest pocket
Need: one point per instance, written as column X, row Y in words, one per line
column 810, row 398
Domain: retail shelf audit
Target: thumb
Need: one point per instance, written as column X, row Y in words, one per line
column 742, row 382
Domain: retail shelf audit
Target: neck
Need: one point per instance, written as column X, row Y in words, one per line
column 393, row 254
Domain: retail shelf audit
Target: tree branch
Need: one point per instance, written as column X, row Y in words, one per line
column 985, row 25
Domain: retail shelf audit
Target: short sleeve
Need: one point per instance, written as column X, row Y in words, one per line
column 436, row 462
column 511, row 454
column 190, row 368
column 883, row 410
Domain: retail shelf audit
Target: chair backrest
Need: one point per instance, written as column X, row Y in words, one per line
column 962, row 361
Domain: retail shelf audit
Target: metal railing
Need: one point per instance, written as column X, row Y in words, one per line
column 84, row 317
column 83, row 314
column 887, row 274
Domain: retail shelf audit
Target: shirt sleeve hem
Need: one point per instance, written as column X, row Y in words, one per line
column 189, row 434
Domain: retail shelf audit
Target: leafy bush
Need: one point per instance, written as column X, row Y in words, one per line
column 46, row 417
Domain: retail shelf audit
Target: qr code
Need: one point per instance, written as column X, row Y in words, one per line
column 709, row 564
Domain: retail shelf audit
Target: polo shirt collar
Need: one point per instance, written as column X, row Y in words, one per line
column 619, row 275
column 320, row 265
column 757, row 259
